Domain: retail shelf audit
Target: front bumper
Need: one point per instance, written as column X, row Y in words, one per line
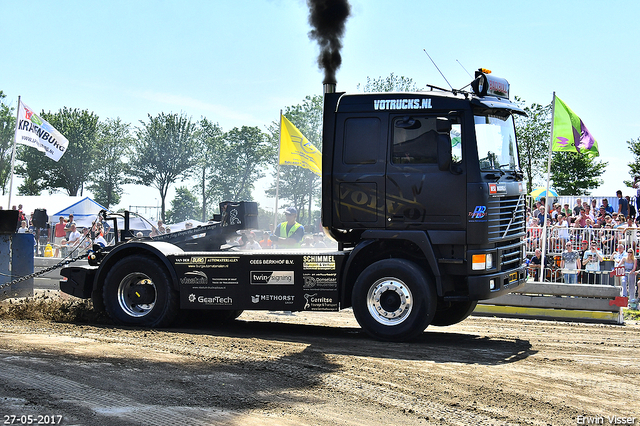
column 503, row 282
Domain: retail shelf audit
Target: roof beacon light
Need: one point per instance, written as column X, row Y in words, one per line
column 488, row 85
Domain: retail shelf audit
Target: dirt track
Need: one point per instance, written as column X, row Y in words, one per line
column 319, row 369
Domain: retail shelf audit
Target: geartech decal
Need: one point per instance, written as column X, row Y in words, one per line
column 386, row 104
column 216, row 300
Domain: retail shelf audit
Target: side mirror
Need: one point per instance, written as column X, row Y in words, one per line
column 443, row 125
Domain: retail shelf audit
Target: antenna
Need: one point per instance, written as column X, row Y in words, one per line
column 464, row 68
column 434, row 64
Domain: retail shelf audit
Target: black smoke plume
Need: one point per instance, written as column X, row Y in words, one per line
column 327, row 18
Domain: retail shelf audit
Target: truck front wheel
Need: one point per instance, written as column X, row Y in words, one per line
column 137, row 291
column 393, row 300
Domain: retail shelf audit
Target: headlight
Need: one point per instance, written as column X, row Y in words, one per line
column 489, row 263
column 481, row 262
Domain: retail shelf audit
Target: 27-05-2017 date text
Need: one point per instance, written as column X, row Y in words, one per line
column 32, row 419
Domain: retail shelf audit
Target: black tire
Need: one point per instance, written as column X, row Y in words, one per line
column 137, row 291
column 393, row 300
column 449, row 313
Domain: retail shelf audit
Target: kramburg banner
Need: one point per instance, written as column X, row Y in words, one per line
column 33, row 131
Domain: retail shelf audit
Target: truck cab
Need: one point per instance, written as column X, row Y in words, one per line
column 434, row 176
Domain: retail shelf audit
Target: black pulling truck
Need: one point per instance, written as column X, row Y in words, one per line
column 423, row 193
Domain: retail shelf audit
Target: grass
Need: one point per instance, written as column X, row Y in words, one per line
column 631, row 315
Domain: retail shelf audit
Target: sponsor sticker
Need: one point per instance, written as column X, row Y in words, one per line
column 286, row 299
column 319, row 282
column 478, row 213
column 210, row 301
column 194, row 278
column 319, row 262
column 315, row 302
column 497, row 188
column 272, row 278
column 389, row 104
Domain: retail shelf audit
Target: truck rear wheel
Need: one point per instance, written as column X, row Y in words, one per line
column 393, row 300
column 137, row 291
column 449, row 313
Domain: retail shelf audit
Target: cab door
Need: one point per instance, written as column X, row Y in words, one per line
column 419, row 193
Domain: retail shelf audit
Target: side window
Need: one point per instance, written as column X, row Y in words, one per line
column 415, row 140
column 456, row 143
column 361, row 138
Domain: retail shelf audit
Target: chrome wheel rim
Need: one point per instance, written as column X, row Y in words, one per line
column 389, row 301
column 125, row 299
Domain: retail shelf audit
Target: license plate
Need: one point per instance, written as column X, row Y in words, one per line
column 513, row 277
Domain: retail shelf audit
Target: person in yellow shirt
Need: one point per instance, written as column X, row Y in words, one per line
column 290, row 233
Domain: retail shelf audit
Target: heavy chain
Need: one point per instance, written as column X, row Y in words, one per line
column 43, row 271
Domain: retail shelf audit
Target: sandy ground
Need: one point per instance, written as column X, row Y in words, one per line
column 318, row 369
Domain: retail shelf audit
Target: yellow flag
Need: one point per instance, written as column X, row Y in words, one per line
column 296, row 150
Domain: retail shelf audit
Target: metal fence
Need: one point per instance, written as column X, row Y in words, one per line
column 605, row 239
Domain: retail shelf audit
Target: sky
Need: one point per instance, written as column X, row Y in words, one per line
column 239, row 63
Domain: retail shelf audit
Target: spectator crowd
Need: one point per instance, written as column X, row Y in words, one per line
column 593, row 241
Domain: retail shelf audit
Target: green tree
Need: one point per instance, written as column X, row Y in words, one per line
column 209, row 139
column 7, row 129
column 164, row 152
column 265, row 218
column 239, row 162
column 183, row 206
column 74, row 169
column 533, row 134
column 111, row 167
column 393, row 83
column 29, row 166
column 299, row 186
column 634, row 167
column 575, row 174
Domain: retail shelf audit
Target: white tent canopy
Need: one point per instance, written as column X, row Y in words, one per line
column 84, row 212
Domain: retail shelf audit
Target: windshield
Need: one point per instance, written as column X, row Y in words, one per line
column 496, row 143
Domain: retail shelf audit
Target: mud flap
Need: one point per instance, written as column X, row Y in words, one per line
column 79, row 282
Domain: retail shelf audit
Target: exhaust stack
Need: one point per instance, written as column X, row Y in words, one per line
column 329, row 88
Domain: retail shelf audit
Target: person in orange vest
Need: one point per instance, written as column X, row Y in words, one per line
column 289, row 233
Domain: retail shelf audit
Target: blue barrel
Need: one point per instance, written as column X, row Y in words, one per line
column 21, row 257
